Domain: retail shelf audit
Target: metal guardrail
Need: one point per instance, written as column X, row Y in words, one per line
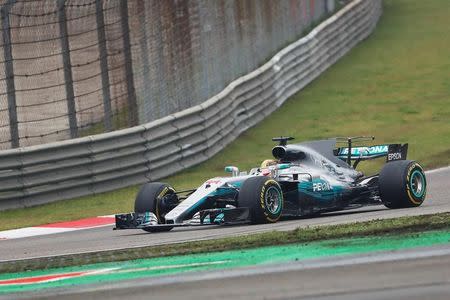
column 90, row 165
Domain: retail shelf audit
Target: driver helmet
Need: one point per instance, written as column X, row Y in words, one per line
column 268, row 162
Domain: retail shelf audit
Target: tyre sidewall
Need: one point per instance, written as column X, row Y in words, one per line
column 395, row 183
column 415, row 170
column 149, row 197
column 266, row 187
column 253, row 196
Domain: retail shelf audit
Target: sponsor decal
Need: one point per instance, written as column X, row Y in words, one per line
column 321, row 186
column 261, row 197
column 373, row 150
column 394, row 156
column 213, row 181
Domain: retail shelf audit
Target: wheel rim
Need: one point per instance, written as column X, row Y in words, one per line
column 162, row 203
column 272, row 200
column 417, row 183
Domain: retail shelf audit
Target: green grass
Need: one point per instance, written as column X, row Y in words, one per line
column 395, row 85
column 388, row 227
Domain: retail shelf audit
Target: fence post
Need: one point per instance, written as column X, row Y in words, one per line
column 144, row 59
column 65, row 49
column 103, row 64
column 132, row 105
column 9, row 74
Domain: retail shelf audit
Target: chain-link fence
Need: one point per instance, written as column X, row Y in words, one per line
column 71, row 68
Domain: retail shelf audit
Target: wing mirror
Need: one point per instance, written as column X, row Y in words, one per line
column 233, row 170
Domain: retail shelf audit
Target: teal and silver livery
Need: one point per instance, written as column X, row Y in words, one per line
column 300, row 180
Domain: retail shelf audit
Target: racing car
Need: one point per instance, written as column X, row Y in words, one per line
column 302, row 179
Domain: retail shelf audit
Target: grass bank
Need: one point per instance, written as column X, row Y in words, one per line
column 394, row 85
column 388, row 227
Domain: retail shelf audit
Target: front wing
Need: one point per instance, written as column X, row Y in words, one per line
column 216, row 216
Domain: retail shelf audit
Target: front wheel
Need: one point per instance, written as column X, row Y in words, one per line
column 402, row 184
column 155, row 197
column 264, row 198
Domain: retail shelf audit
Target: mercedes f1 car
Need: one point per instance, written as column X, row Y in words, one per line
column 303, row 179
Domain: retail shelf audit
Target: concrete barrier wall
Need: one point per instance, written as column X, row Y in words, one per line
column 85, row 166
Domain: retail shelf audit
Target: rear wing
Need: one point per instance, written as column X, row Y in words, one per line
column 391, row 151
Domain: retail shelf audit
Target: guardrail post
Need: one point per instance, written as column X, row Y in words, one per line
column 9, row 74
column 132, row 105
column 103, row 64
column 65, row 49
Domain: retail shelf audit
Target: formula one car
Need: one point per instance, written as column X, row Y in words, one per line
column 304, row 179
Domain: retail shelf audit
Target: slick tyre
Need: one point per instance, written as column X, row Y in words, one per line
column 402, row 184
column 149, row 199
column 264, row 198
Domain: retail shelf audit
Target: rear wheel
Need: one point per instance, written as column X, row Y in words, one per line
column 264, row 198
column 155, row 197
column 402, row 184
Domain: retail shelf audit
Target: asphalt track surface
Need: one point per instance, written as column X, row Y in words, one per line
column 104, row 238
column 420, row 273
